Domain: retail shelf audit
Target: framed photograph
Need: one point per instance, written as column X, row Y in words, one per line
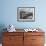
column 26, row 14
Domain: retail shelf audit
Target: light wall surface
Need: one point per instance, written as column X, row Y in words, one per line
column 8, row 13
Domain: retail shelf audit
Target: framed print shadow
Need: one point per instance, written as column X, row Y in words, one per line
column 26, row 14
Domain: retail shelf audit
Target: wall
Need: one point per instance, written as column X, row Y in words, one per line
column 8, row 9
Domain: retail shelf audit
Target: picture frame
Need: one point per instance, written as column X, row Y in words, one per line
column 26, row 14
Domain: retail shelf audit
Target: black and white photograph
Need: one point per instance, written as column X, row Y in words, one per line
column 26, row 14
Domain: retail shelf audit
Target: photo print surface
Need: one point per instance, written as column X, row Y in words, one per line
column 26, row 14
